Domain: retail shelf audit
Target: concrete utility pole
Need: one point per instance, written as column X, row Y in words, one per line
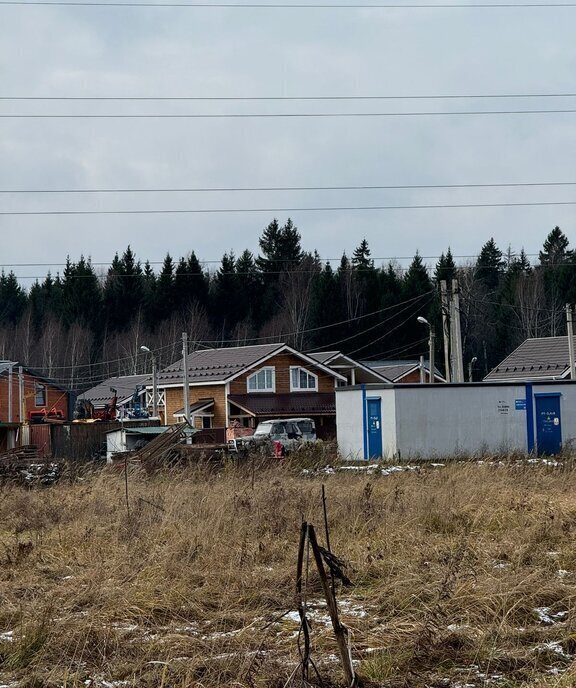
column 186, row 382
column 445, row 328
column 456, row 340
column 570, row 328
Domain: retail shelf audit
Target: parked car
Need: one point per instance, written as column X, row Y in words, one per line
column 289, row 432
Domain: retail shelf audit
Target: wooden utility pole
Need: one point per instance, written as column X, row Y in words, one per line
column 570, row 329
column 21, row 399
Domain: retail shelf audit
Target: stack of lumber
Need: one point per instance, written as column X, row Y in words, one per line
column 22, row 456
column 23, row 465
column 161, row 451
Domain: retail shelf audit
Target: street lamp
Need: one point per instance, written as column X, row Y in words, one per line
column 154, row 384
column 472, row 362
column 431, row 339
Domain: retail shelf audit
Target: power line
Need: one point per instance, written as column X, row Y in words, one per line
column 295, row 6
column 451, row 96
column 189, row 211
column 283, row 260
column 290, row 115
column 252, row 189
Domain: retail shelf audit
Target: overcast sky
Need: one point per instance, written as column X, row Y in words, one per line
column 111, row 51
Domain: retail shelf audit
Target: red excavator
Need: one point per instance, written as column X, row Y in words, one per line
column 86, row 413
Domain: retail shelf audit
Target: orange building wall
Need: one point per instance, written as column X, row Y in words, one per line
column 54, row 397
column 282, row 365
column 175, row 401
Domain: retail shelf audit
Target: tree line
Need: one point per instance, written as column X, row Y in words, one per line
column 80, row 326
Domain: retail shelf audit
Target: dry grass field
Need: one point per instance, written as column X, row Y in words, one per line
column 463, row 576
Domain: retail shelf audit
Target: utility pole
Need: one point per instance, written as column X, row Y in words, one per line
column 458, row 371
column 10, row 368
column 186, row 383
column 431, row 378
column 21, row 400
column 570, row 329
column 445, row 328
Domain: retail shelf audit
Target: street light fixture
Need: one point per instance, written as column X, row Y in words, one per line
column 422, row 320
column 154, row 383
column 472, row 362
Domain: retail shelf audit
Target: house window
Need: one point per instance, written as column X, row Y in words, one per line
column 40, row 396
column 206, row 422
column 300, row 378
column 262, row 380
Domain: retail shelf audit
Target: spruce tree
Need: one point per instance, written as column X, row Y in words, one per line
column 490, row 265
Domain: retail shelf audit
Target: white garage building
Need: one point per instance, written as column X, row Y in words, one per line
column 431, row 421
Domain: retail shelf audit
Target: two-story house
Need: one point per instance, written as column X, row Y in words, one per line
column 243, row 385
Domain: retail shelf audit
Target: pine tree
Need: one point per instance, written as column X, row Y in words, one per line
column 12, row 299
column 490, row 265
column 81, row 295
column 555, row 249
column 445, row 268
column 165, row 300
column 361, row 257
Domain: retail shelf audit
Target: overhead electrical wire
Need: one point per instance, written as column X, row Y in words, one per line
column 252, row 189
column 284, row 260
column 289, row 115
column 299, row 6
column 449, row 96
column 188, row 211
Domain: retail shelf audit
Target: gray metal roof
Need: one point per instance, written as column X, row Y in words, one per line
column 396, row 370
column 124, row 385
column 216, row 365
column 337, row 359
column 323, row 356
column 537, row 358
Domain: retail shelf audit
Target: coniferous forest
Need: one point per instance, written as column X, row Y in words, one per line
column 84, row 325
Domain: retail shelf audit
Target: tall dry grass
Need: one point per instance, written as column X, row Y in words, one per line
column 454, row 569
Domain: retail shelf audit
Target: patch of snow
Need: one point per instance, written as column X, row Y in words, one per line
column 555, row 647
column 543, row 614
column 562, row 573
column 502, row 565
column 125, row 628
column 7, row 635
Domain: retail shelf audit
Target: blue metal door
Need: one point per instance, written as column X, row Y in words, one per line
column 374, row 413
column 548, row 425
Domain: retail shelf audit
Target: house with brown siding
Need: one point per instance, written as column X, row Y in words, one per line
column 26, row 395
column 239, row 386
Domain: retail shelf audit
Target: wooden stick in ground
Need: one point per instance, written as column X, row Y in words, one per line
column 327, row 532
column 301, row 611
column 340, row 631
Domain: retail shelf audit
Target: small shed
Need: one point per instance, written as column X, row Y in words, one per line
column 126, row 438
column 409, row 421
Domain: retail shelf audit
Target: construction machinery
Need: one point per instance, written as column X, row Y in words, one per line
column 86, row 413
